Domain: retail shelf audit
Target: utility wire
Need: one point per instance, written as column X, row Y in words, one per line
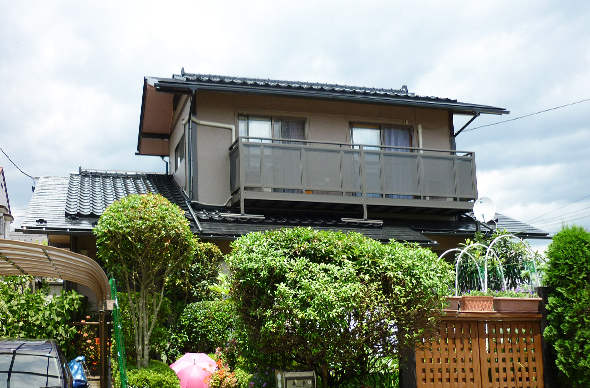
column 17, row 166
column 553, row 211
column 530, row 114
column 568, row 221
column 551, row 219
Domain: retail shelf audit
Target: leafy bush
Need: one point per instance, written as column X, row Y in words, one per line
column 27, row 314
column 333, row 302
column 202, row 327
column 156, row 375
column 568, row 330
column 193, row 283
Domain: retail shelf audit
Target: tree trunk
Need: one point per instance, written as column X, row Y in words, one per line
column 324, row 375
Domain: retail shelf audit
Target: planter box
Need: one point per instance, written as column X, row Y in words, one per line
column 453, row 303
column 520, row 305
column 477, row 303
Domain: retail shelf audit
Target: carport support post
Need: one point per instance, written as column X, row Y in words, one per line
column 102, row 333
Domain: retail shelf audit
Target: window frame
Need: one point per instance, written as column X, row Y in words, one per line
column 179, row 152
column 274, row 120
column 381, row 128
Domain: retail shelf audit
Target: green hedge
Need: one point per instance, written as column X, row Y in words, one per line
column 568, row 330
column 202, row 327
column 157, row 375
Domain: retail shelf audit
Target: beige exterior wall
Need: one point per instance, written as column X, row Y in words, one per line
column 180, row 115
column 327, row 121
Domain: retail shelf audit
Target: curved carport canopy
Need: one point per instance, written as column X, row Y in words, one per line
column 22, row 258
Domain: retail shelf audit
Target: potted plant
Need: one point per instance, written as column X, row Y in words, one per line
column 477, row 301
column 453, row 303
column 516, row 301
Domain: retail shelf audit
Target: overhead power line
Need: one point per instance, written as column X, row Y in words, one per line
column 17, row 166
column 567, row 221
column 562, row 216
column 529, row 115
column 553, row 211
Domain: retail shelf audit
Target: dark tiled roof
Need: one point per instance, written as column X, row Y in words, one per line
column 217, row 223
column 74, row 204
column 220, row 79
column 187, row 81
column 91, row 192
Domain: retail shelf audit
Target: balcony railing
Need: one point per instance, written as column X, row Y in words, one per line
column 366, row 174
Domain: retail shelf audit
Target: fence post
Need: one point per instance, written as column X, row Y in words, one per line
column 407, row 369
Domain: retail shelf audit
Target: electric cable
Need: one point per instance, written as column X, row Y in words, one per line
column 568, row 221
column 574, row 213
column 530, row 114
column 18, row 168
column 553, row 211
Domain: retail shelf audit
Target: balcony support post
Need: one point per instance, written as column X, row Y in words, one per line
column 242, row 174
column 363, row 182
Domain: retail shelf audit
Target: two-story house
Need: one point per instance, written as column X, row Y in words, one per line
column 248, row 155
column 254, row 154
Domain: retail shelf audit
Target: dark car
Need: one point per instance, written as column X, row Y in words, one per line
column 28, row 363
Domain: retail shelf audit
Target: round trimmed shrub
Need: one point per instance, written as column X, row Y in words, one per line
column 203, row 327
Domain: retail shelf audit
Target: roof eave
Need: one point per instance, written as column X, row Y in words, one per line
column 185, row 87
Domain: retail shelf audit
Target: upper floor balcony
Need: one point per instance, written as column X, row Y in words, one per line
column 375, row 179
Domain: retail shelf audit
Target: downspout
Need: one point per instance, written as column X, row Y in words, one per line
column 420, row 137
column 193, row 109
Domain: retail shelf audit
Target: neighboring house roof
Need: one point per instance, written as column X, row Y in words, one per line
column 72, row 205
column 4, row 202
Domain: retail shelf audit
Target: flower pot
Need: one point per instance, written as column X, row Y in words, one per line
column 520, row 305
column 453, row 303
column 477, row 303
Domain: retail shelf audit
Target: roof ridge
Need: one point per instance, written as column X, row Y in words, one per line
column 294, row 84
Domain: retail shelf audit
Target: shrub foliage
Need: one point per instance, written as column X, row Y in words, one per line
column 568, row 330
column 26, row 314
column 333, row 302
column 202, row 327
column 156, row 374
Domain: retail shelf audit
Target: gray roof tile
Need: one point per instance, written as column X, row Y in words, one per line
column 188, row 81
column 73, row 204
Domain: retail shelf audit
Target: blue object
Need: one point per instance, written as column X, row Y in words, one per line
column 77, row 369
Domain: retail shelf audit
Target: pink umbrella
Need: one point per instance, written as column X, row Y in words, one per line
column 192, row 368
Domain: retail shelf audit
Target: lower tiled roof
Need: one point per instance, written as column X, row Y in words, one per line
column 73, row 205
column 91, row 192
column 217, row 223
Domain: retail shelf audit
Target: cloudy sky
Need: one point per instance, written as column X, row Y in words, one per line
column 71, row 76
